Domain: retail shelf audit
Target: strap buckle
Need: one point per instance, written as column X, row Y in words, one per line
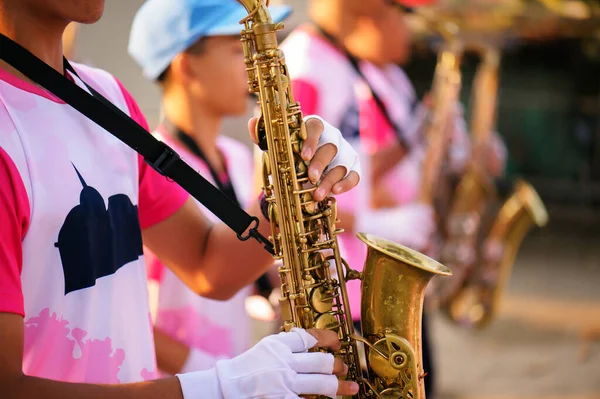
column 164, row 161
column 253, row 233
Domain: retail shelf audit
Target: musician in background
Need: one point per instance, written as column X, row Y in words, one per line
column 204, row 83
column 344, row 64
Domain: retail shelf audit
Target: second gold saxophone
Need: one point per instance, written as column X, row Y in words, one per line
column 304, row 237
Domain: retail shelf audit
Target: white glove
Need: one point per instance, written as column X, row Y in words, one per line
column 346, row 155
column 278, row 367
column 198, row 360
column 410, row 225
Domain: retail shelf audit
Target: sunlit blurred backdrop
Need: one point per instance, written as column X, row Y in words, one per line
column 545, row 342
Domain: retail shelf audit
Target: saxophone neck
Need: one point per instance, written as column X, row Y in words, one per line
column 258, row 11
column 260, row 27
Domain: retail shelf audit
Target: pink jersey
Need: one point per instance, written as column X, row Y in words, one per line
column 219, row 328
column 73, row 200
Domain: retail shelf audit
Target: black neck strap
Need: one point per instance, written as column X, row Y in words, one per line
column 262, row 284
column 400, row 134
column 157, row 154
column 189, row 142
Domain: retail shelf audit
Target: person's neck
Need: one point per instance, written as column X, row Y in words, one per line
column 42, row 37
column 201, row 124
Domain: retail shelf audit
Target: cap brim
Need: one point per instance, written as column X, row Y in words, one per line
column 230, row 25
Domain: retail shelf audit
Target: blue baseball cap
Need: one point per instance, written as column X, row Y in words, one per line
column 164, row 28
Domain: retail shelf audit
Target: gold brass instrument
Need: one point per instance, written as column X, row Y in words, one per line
column 445, row 91
column 484, row 263
column 434, row 187
column 304, row 238
column 472, row 298
column 475, row 187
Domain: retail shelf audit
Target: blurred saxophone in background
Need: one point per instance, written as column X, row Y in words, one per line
column 304, row 238
column 484, row 258
column 438, row 130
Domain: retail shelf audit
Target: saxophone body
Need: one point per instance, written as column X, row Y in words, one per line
column 484, row 262
column 475, row 187
column 445, row 91
column 313, row 274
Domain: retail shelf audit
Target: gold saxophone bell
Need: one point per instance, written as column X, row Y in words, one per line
column 477, row 303
column 394, row 279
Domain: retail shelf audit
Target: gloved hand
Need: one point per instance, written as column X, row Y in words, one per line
column 278, row 367
column 410, row 225
column 199, row 360
column 332, row 160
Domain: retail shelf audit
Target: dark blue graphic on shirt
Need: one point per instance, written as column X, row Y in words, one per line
column 350, row 123
column 95, row 242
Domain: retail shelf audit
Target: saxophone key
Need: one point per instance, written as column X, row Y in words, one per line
column 317, row 265
column 302, row 170
column 309, row 205
column 327, row 321
column 321, row 301
column 286, row 309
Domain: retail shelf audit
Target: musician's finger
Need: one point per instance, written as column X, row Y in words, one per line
column 314, row 363
column 347, row 183
column 332, row 177
column 298, row 340
column 339, row 367
column 316, row 384
column 330, row 386
column 252, row 129
column 326, row 339
column 320, row 161
column 347, row 388
column 314, row 130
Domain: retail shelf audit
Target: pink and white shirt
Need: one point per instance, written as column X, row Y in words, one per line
column 218, row 328
column 73, row 201
column 325, row 83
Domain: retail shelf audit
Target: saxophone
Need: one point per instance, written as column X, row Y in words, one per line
column 304, row 239
column 434, row 187
column 475, row 186
column 446, row 90
column 474, row 300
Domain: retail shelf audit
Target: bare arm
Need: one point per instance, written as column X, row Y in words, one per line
column 385, row 160
column 170, row 353
column 208, row 258
column 15, row 385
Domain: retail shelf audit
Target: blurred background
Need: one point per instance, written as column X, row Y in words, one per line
column 546, row 341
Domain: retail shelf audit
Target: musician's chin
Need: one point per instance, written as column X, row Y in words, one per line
column 86, row 11
column 81, row 11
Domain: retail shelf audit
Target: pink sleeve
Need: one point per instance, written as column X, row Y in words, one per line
column 14, row 221
column 158, row 198
column 307, row 95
